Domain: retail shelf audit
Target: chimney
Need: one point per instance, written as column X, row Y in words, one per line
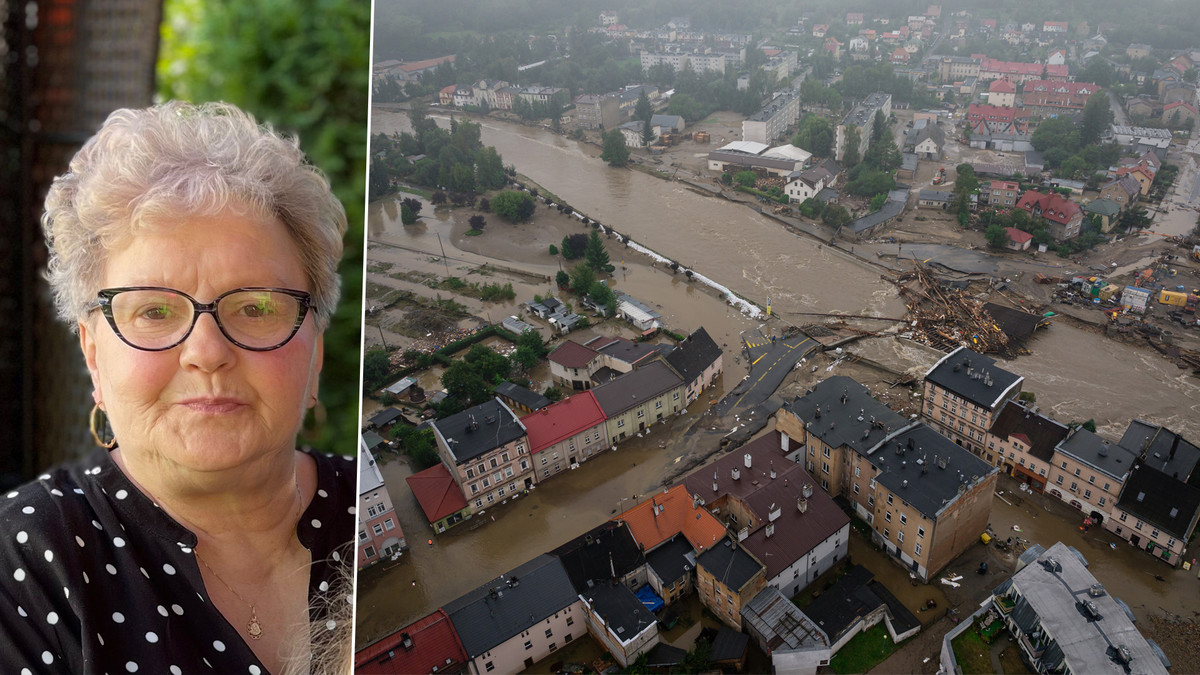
column 654, row 508
column 771, row 464
column 801, row 504
column 735, row 473
column 714, row 481
column 806, row 490
column 773, row 512
column 747, row 458
column 770, row 530
column 1174, row 446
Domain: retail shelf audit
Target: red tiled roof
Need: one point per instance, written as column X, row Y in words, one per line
column 437, row 492
column 676, row 514
column 1002, row 86
column 1018, row 236
column 560, row 421
column 1003, row 185
column 434, row 644
column 427, row 63
column 1176, row 104
column 1017, row 68
column 1054, row 207
column 571, row 354
column 984, row 111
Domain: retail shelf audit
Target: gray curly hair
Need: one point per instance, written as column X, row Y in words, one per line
column 147, row 167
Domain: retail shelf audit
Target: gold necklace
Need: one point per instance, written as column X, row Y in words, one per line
column 254, row 627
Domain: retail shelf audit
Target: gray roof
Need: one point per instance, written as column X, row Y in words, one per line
column 602, row 552
column 1157, row 498
column 1104, row 207
column 385, row 416
column 673, row 121
column 860, row 422
column 696, row 353
column 974, row 377
column 1102, row 454
column 730, row 565
column 635, row 387
column 510, row 603
column 926, row 469
column 864, row 112
column 529, row 399
column 622, row 612
column 916, row 136
column 673, row 560
column 935, row 195
column 747, row 159
column 1162, row 449
column 480, row 429
column 781, row 623
column 890, row 210
column 1052, row 596
column 769, row 110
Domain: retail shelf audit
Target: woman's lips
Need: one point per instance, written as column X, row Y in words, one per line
column 213, row 406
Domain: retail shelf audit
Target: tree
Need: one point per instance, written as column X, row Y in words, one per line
column 562, row 279
column 878, row 201
column 477, row 222
column 375, row 366
column 814, row 135
column 582, row 278
column 438, row 198
column 532, row 340
column 866, row 182
column 745, row 178
column 418, row 444
column 465, row 384
column 966, row 181
column 596, row 256
column 644, row 112
column 879, row 127
column 513, row 205
column 996, row 235
column 574, row 245
column 602, row 294
column 850, row 156
column 1097, row 114
column 407, row 216
column 835, row 215
column 615, row 152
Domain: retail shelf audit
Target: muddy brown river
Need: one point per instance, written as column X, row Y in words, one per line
column 1076, row 373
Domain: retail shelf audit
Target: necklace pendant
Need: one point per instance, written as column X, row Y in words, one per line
column 254, row 628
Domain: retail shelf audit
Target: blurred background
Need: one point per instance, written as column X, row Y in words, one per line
column 301, row 65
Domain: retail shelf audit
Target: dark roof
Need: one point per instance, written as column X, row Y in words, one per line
column 838, row 608
column 598, row 554
column 839, row 423
column 670, row 561
column 372, row 440
column 729, row 565
column 1163, row 449
column 902, row 619
column 480, row 429
column 696, row 353
column 385, row 416
column 1100, row 453
column 605, row 374
column 628, row 351
column 1167, row 503
column 511, row 603
column 636, row 387
column 664, row 656
column 890, row 210
column 781, row 624
column 623, row 613
column 729, row 645
column 1016, row 324
column 529, row 399
column 974, row 377
column 926, row 469
column 1040, row 433
column 571, row 354
column 433, row 643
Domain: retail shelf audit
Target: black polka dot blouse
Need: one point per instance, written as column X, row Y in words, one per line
column 95, row 578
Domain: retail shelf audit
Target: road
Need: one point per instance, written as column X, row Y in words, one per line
column 1119, row 117
column 770, row 362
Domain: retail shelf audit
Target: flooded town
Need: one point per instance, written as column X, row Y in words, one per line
column 893, row 342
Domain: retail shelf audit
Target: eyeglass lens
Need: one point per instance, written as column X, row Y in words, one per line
column 158, row 318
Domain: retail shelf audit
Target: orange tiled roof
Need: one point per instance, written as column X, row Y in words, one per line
column 675, row 514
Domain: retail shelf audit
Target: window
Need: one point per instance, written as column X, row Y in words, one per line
column 1058, row 481
column 520, row 448
column 1042, row 472
column 872, row 484
column 489, row 666
column 486, row 482
column 371, row 511
column 556, row 469
column 524, row 465
column 545, row 460
column 824, row 484
column 889, row 499
column 903, row 519
column 389, row 524
column 570, row 621
column 480, row 469
column 362, row 535
column 856, row 488
column 1087, row 494
column 887, row 515
column 549, row 633
column 1122, row 516
column 470, row 472
column 478, row 503
column 512, row 487
column 491, row 498
column 857, row 472
column 1170, row 543
column 620, row 423
column 1077, row 473
column 870, row 500
column 1064, row 465
column 500, row 492
column 1092, row 480
column 1138, row 526
column 1102, row 501
column 1022, row 461
column 676, row 396
column 504, row 457
column 1074, row 486
column 900, row 536
column 369, row 551
column 571, row 446
column 917, row 550
column 508, row 472
column 555, row 454
column 825, row 467
column 825, row 451
column 887, row 534
column 1154, row 534
column 546, row 473
column 641, row 414
column 528, row 645
column 921, row 534
column 497, row 477
column 474, row 488
column 494, row 462
column 1106, row 487
column 658, row 405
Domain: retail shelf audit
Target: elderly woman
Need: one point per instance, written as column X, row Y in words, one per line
column 196, row 252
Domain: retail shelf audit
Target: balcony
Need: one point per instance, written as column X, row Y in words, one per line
column 1005, row 603
column 1032, row 650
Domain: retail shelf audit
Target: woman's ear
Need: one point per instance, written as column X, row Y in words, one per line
column 87, row 344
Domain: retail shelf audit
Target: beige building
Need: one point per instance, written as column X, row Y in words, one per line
column 963, row 393
column 727, row 579
column 1087, row 472
column 957, row 68
column 1022, row 441
column 487, row 452
column 634, row 401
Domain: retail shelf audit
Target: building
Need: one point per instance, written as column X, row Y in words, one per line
column 757, row 157
column 1001, row 193
column 598, row 111
column 643, row 317
column 521, row 400
column 1179, row 114
column 963, row 393
column 602, row 359
column 1065, row 621
column 605, row 552
column 934, row 199
column 700, row 60
column 925, row 498
column 1064, row 218
column 1156, row 512
column 871, row 224
column 804, row 185
column 1048, row 96
column 795, row 643
column 1002, row 93
column 1107, row 210
column 667, row 124
column 727, row 579
column 698, row 360
column 379, row 533
column 956, row 68
column 440, row 497
column 428, row 645
column 632, row 131
column 992, row 69
column 1087, row 472
column 774, row 120
column 925, row 140
column 857, row 602
column 519, row 618
column 1018, row 240
column 860, row 119
column 563, row 435
column 1139, row 140
column 486, row 450
column 619, row 621
column 1123, row 191
column 983, row 112
column 1138, row 51
column 1021, row 441
column 770, row 504
column 638, row 399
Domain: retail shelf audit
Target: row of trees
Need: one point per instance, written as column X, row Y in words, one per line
column 454, row 159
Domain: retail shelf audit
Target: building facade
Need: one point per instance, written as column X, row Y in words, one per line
column 963, row 393
column 486, row 450
column 379, row 533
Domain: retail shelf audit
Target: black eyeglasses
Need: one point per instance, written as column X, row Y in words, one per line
column 155, row 319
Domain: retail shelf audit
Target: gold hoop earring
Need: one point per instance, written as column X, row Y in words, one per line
column 95, row 434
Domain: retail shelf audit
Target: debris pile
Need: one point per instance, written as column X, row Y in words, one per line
column 947, row 317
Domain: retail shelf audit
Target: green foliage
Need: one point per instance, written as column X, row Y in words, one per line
column 966, row 182
column 553, row 249
column 496, row 292
column 594, row 253
column 812, row 207
column 1089, row 425
column 302, row 67
column 602, row 294
column 1097, row 114
column 642, row 111
column 455, row 159
column 562, row 279
column 866, row 182
column 745, row 178
column 477, row 222
column 863, row 651
column 860, row 80
column 1027, row 397
column 469, row 381
column 850, row 156
column 996, row 236
column 376, row 368
column 726, row 178
column 418, row 444
column 513, row 205
column 878, row 201
column 815, row 135
column 582, row 278
column 615, row 152
column 835, row 215
column 553, row 393
column 574, row 245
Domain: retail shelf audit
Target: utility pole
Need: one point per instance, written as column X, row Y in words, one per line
column 444, row 262
column 385, row 344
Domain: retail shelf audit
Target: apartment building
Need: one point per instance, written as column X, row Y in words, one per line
column 486, row 450
column 1088, row 472
column 1022, row 441
column 379, row 533
column 963, row 393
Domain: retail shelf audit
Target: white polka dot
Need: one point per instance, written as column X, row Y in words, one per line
column 144, row 572
column 324, row 586
column 19, row 574
column 162, row 610
column 28, row 510
column 336, row 556
column 44, row 476
column 118, row 617
column 151, row 637
column 330, row 624
column 22, row 537
column 118, row 542
column 316, row 523
column 21, row 612
column 86, row 580
column 52, row 618
column 47, row 658
column 66, row 593
column 352, row 510
column 207, row 663
column 56, row 492
column 177, row 609
column 121, row 494
column 100, row 639
column 95, row 469
column 79, row 540
column 77, row 491
column 218, row 645
column 49, row 555
column 168, row 569
column 111, row 570
column 323, row 493
column 26, row 671
column 96, row 524
column 185, row 549
column 176, row 670
column 131, row 666
column 255, row 670
column 12, row 494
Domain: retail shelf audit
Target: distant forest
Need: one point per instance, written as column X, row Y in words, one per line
column 416, row 29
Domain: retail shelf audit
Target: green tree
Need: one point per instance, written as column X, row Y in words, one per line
column 375, row 367
column 850, row 156
column 814, row 135
column 869, row 182
column 562, row 279
column 835, row 215
column 615, row 152
column 532, row 340
column 465, row 384
column 644, row 112
column 966, row 181
column 879, row 127
column 418, row 444
column 596, row 256
column 745, row 178
column 478, row 222
column 996, row 236
column 582, row 278
column 602, row 294
column 407, row 216
column 489, row 363
column 878, row 201
column 513, row 205
column 1097, row 114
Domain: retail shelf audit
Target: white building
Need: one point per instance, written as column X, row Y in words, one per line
column 379, row 533
column 773, row 120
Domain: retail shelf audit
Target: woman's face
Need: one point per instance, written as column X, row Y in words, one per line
column 206, row 404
